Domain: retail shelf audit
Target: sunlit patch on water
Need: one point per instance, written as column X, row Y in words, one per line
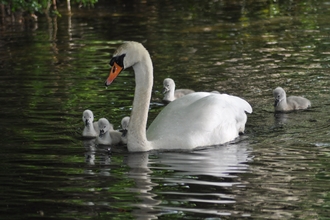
column 322, row 144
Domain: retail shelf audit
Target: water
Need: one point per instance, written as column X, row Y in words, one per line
column 52, row 72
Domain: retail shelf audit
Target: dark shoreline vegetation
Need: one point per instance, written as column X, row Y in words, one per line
column 26, row 12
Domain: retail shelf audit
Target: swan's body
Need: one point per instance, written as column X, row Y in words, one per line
column 170, row 93
column 91, row 128
column 284, row 104
column 196, row 120
column 107, row 135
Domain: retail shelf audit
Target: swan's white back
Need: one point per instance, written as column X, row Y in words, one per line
column 199, row 119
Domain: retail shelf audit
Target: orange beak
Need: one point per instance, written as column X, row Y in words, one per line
column 114, row 72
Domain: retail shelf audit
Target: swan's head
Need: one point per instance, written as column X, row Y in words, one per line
column 127, row 55
column 88, row 117
column 104, row 126
column 169, row 85
column 279, row 95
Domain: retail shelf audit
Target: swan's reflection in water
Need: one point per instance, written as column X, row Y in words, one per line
column 202, row 180
column 141, row 174
column 174, row 182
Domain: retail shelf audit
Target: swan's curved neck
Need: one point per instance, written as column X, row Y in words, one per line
column 137, row 139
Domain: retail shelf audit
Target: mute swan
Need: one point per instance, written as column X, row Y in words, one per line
column 107, row 135
column 91, row 128
column 124, row 128
column 284, row 104
column 198, row 119
column 170, row 93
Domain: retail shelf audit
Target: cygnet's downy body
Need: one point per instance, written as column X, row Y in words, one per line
column 124, row 128
column 107, row 135
column 170, row 93
column 291, row 103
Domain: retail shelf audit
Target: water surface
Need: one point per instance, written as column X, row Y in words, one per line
column 50, row 73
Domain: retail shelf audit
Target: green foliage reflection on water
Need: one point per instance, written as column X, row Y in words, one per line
column 49, row 78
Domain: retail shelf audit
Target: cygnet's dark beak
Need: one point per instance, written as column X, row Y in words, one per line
column 86, row 122
column 124, row 132
column 276, row 102
column 165, row 90
column 101, row 133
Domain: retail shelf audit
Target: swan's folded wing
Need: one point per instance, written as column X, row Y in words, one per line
column 238, row 102
column 200, row 119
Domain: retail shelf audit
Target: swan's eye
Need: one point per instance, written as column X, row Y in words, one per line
column 112, row 61
column 118, row 59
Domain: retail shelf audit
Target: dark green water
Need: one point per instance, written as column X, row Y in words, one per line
column 48, row 75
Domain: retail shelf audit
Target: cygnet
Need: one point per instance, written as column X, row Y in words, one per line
column 91, row 129
column 284, row 104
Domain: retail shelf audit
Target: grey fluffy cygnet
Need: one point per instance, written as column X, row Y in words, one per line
column 170, row 93
column 124, row 129
column 291, row 103
column 107, row 135
column 91, row 129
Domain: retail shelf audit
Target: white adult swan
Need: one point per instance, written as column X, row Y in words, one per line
column 91, row 128
column 196, row 120
column 170, row 93
column 284, row 104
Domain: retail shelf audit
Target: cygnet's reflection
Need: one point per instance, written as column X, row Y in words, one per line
column 280, row 118
column 89, row 145
column 104, row 158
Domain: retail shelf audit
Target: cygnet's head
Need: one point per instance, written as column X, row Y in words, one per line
column 88, row 117
column 104, row 125
column 169, row 85
column 279, row 95
column 125, row 122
